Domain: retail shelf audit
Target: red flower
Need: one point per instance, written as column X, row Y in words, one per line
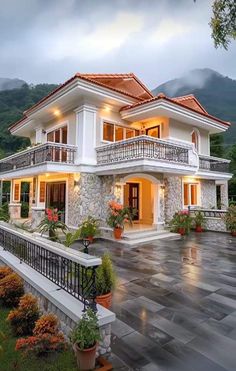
column 55, row 218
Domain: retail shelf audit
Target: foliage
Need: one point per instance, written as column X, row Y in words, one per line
column 105, row 276
column 119, row 215
column 46, row 337
column 86, row 332
column 23, row 318
column 71, row 237
column 4, row 213
column 181, row 219
column 24, row 209
column 11, row 289
column 230, row 218
column 5, row 271
column 198, row 219
column 223, row 22
column 89, row 227
column 52, row 223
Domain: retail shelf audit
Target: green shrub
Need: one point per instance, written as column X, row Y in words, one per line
column 86, row 333
column 23, row 318
column 105, row 276
column 24, row 209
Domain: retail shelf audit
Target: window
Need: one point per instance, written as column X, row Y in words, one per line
column 58, row 135
column 190, row 194
column 113, row 133
column 153, row 132
column 17, row 192
column 195, row 139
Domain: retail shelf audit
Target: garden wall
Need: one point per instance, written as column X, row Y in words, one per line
column 55, row 300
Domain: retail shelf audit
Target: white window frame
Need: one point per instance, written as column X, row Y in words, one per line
column 115, row 124
column 189, row 193
column 58, row 127
column 197, row 133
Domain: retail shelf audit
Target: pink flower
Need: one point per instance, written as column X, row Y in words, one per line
column 55, row 218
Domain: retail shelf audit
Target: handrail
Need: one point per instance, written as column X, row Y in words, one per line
column 74, row 272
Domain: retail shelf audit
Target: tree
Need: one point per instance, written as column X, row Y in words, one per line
column 216, row 144
column 223, row 22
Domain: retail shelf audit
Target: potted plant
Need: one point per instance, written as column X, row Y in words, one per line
column 181, row 222
column 84, row 338
column 118, row 216
column 199, row 221
column 105, row 282
column 89, row 228
column 230, row 219
column 52, row 223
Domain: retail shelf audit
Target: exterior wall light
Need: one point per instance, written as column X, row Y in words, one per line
column 76, row 183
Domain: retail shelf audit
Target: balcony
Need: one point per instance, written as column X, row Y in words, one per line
column 213, row 164
column 148, row 152
column 40, row 154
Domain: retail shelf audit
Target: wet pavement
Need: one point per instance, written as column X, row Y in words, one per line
column 175, row 304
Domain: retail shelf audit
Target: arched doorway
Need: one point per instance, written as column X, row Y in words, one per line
column 142, row 192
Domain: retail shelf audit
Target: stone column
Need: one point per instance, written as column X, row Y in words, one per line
column 158, row 207
column 172, row 196
column 224, row 195
column 208, row 193
column 15, row 205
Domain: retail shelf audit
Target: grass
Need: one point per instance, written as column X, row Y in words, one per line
column 10, row 360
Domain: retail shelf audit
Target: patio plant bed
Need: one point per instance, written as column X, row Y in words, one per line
column 12, row 360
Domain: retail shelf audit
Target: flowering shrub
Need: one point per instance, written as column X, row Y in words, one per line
column 230, row 218
column 181, row 219
column 119, row 215
column 4, row 271
column 23, row 318
column 11, row 289
column 52, row 223
column 46, row 337
column 89, row 227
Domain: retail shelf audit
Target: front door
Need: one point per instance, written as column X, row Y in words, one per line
column 134, row 198
column 56, row 195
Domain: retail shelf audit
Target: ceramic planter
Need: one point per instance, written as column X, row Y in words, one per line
column 90, row 238
column 198, row 228
column 117, row 233
column 182, row 231
column 85, row 358
column 233, row 233
column 52, row 234
column 105, row 300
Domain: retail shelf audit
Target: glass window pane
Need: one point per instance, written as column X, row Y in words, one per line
column 186, row 198
column 50, row 136
column 57, row 136
column 64, row 135
column 108, row 132
column 119, row 133
column 153, row 132
column 193, row 194
column 130, row 133
column 136, row 133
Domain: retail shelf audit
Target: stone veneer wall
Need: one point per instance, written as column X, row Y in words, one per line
column 208, row 194
column 224, row 195
column 66, row 323
column 215, row 224
column 173, row 196
column 89, row 197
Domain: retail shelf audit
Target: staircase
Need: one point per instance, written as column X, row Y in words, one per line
column 149, row 235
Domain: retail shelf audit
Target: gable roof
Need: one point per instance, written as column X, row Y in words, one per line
column 189, row 101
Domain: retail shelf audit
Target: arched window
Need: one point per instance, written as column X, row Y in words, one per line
column 195, row 139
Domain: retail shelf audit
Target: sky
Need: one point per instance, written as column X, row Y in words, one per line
column 50, row 40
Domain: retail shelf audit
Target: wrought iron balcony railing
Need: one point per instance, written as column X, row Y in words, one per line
column 73, row 272
column 210, row 163
column 48, row 152
column 142, row 147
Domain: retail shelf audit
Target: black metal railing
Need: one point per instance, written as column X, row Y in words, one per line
column 48, row 152
column 214, row 164
column 142, row 147
column 71, row 276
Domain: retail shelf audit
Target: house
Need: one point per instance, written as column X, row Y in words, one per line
column 103, row 136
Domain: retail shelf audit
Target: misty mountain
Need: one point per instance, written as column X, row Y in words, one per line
column 9, row 84
column 217, row 93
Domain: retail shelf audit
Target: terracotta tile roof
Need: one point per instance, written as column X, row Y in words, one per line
column 124, row 83
column 189, row 102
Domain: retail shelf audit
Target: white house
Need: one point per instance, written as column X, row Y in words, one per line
column 103, row 136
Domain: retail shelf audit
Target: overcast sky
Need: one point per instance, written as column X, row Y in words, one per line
column 50, row 40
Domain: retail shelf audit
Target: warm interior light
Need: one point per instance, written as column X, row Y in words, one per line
column 107, row 109
column 57, row 112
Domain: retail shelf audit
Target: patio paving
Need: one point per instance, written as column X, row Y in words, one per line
column 175, row 304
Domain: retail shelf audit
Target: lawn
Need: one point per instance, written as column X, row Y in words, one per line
column 11, row 360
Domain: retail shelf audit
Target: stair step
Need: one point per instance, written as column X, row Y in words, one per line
column 154, row 237
column 143, row 233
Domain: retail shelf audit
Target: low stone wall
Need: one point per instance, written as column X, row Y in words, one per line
column 215, row 224
column 53, row 300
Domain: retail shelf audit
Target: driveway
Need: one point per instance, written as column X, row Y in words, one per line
column 175, row 304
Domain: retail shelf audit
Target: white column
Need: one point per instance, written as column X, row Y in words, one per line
column 158, row 206
column 39, row 135
column 86, row 135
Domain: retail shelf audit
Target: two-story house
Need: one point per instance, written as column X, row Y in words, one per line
column 103, row 136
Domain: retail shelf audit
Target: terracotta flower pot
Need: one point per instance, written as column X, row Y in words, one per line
column 233, row 233
column 85, row 358
column 182, row 231
column 198, row 228
column 90, row 238
column 105, row 300
column 117, row 233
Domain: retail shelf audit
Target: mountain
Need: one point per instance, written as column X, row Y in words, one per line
column 217, row 93
column 9, row 84
column 12, row 105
